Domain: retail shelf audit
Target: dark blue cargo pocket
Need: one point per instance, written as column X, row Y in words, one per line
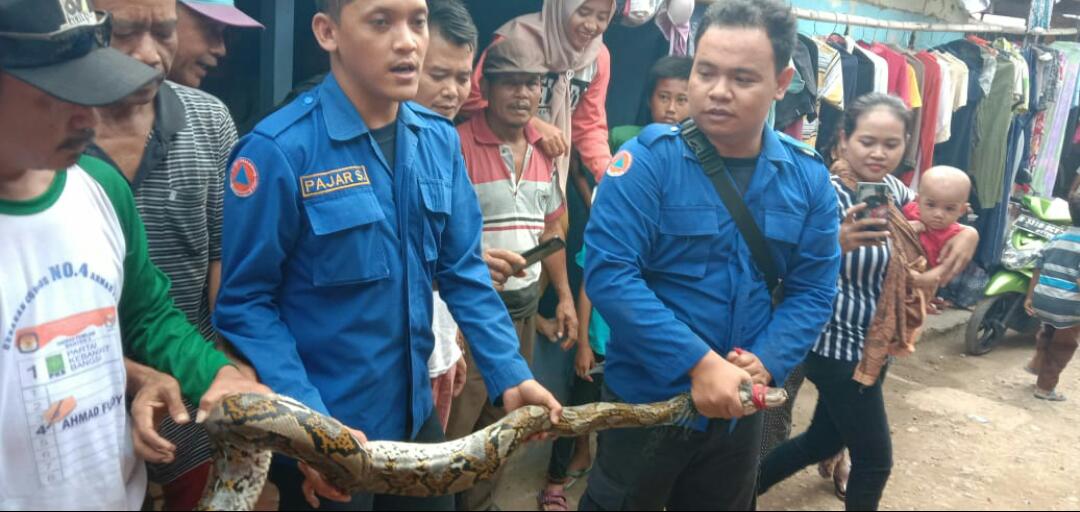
column 352, row 247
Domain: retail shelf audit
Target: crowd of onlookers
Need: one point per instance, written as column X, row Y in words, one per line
column 361, row 250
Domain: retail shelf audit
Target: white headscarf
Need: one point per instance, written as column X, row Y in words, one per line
column 546, row 31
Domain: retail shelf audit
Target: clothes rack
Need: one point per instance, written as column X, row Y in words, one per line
column 916, row 26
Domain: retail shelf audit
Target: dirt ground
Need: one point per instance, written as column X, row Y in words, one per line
column 967, row 435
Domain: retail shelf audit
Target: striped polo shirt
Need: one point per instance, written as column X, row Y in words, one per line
column 1057, row 295
column 515, row 209
column 862, row 274
column 179, row 190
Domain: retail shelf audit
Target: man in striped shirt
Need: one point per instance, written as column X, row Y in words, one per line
column 521, row 202
column 1054, row 297
column 172, row 144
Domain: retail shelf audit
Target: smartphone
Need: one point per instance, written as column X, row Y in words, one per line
column 877, row 197
column 545, row 249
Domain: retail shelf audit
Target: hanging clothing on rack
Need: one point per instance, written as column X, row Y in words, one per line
column 830, row 78
column 880, row 67
column 993, row 120
column 956, row 151
column 802, row 102
column 899, row 83
column 946, row 97
column 932, row 102
column 1046, row 167
column 916, row 86
column 858, row 76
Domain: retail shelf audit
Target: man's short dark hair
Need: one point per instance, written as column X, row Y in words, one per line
column 452, row 20
column 670, row 67
column 332, row 8
column 772, row 16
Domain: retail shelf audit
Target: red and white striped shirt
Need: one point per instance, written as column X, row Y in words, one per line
column 515, row 210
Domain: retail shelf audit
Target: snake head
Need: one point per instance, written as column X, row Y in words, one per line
column 756, row 397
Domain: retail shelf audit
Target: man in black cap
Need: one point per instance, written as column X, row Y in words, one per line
column 79, row 290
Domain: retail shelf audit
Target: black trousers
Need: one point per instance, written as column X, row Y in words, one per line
column 847, row 414
column 676, row 469
column 288, row 479
column 562, row 452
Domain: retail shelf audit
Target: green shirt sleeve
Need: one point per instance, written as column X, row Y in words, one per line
column 154, row 331
column 620, row 134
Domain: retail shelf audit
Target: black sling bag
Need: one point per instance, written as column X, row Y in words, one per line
column 721, row 179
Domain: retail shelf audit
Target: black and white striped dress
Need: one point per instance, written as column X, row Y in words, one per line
column 862, row 275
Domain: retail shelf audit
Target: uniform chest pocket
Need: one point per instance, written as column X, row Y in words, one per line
column 687, row 237
column 352, row 246
column 784, row 226
column 436, row 196
column 784, row 230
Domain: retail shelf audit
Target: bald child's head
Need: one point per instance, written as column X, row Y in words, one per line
column 943, row 196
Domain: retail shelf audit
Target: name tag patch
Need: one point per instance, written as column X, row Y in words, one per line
column 337, row 180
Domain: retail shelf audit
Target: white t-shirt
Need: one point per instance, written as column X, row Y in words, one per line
column 63, row 423
column 446, row 353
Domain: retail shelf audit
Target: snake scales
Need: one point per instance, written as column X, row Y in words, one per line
column 245, row 429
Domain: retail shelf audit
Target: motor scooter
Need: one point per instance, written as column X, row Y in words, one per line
column 1035, row 220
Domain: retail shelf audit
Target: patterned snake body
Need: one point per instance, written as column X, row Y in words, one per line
column 245, row 429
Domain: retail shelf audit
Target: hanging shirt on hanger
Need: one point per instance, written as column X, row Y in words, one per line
column 946, row 98
column 957, row 151
column 858, row 79
column 932, row 85
column 914, row 87
column 915, row 84
column 830, row 75
column 880, row 67
column 830, row 85
column 988, row 161
column 960, row 79
column 896, row 68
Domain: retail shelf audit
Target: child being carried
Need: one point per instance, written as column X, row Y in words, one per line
column 943, row 199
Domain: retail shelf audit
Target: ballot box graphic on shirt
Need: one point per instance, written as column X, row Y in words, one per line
column 63, row 383
column 64, row 429
column 72, row 381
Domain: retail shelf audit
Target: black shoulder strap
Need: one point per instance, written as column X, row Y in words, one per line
column 721, row 179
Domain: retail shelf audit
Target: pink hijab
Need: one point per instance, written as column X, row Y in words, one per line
column 546, row 30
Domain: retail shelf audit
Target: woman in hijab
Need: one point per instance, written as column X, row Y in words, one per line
column 567, row 35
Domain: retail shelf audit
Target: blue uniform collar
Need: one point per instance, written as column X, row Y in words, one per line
column 771, row 148
column 343, row 123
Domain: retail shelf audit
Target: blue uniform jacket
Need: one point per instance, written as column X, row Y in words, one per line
column 329, row 258
column 669, row 271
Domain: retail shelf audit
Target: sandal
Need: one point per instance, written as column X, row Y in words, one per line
column 825, row 467
column 1050, row 396
column 572, row 477
column 840, row 476
column 552, row 500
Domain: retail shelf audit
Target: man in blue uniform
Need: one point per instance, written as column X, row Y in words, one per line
column 341, row 210
column 687, row 303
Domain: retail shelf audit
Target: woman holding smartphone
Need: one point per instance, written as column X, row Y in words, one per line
column 851, row 413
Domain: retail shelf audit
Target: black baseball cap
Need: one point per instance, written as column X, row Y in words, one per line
column 62, row 48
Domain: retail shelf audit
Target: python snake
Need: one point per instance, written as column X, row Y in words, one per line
column 244, row 430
